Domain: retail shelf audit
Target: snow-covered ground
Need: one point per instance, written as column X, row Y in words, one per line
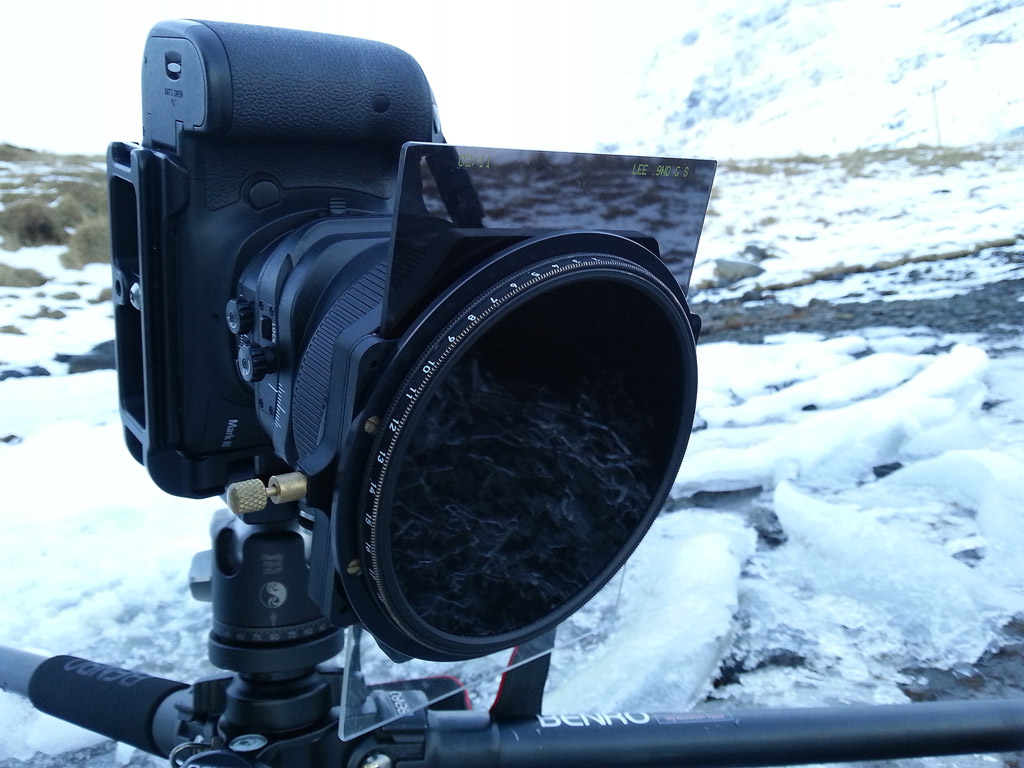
column 848, row 511
column 899, row 221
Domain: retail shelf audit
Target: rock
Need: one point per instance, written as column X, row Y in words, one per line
column 754, row 294
column 884, row 470
column 758, row 252
column 99, row 358
column 35, row 370
column 769, row 529
column 730, row 271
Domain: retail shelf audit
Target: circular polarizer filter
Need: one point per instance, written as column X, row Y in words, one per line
column 526, row 452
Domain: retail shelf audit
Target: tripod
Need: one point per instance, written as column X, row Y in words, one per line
column 278, row 704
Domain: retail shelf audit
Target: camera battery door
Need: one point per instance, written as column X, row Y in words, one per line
column 529, row 426
column 180, row 83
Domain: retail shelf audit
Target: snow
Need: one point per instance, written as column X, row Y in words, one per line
column 836, row 427
column 75, row 293
column 697, row 552
column 873, row 577
column 97, row 558
column 988, row 482
column 813, row 78
column 945, row 614
column 869, row 581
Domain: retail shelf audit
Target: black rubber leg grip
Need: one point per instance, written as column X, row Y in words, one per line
column 110, row 701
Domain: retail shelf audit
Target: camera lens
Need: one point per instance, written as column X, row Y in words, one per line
column 526, row 452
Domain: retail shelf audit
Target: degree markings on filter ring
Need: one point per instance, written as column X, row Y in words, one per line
column 384, row 457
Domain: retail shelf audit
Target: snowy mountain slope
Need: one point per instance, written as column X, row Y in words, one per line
column 826, row 76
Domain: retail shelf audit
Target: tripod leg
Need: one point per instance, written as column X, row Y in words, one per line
column 126, row 706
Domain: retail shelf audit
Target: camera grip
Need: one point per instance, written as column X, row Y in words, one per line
column 245, row 82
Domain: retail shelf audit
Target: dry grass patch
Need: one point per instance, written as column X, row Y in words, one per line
column 79, row 201
column 12, row 154
column 838, row 272
column 28, row 223
column 858, row 163
column 47, row 314
column 789, row 166
column 21, row 277
column 47, row 196
column 107, row 294
column 90, row 244
column 925, row 159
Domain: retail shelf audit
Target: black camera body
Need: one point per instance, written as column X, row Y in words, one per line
column 248, row 132
column 461, row 351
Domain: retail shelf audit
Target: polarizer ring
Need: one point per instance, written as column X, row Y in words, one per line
column 471, row 346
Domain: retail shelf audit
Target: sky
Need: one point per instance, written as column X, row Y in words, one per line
column 529, row 74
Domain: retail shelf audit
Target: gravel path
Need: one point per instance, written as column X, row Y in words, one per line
column 994, row 311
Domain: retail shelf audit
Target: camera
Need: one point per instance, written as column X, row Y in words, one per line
column 467, row 375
